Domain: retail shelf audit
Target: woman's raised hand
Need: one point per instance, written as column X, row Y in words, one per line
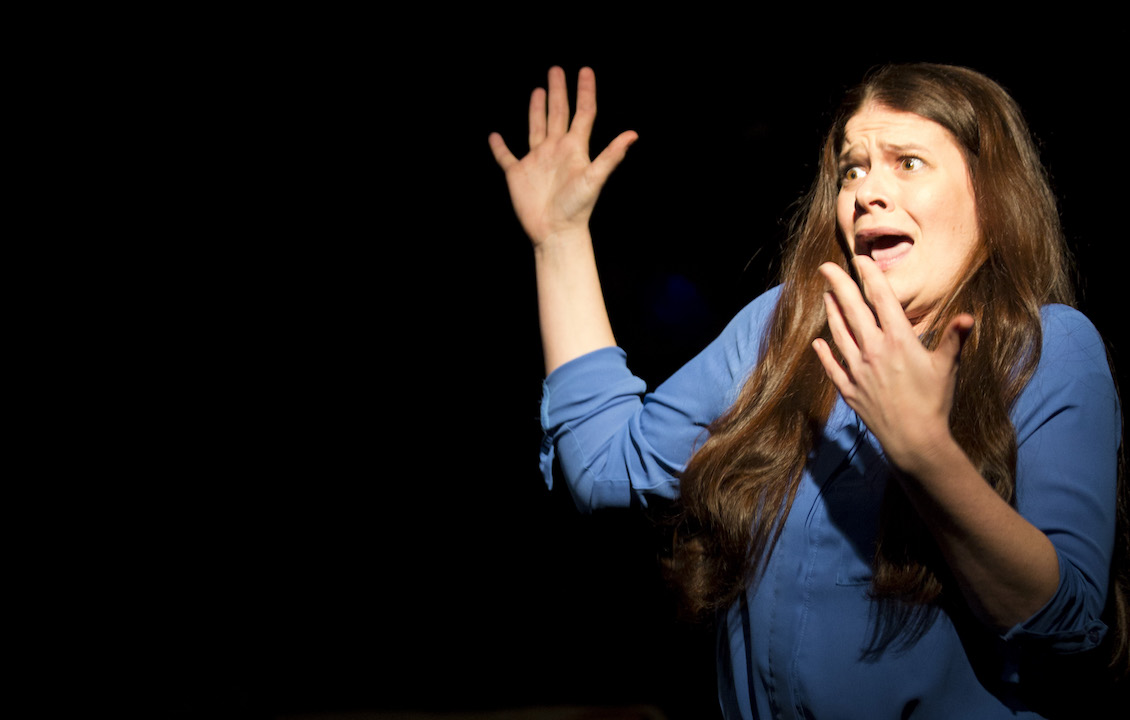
column 555, row 186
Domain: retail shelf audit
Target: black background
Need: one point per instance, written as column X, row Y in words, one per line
column 346, row 511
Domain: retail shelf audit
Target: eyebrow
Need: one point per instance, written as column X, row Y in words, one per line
column 909, row 147
column 894, row 148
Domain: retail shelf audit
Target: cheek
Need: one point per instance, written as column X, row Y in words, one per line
column 952, row 218
column 970, row 225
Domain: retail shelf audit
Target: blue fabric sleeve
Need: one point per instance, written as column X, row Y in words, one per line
column 1069, row 428
column 614, row 442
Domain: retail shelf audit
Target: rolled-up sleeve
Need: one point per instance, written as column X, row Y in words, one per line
column 614, row 442
column 1069, row 428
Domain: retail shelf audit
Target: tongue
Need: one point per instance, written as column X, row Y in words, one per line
column 886, row 250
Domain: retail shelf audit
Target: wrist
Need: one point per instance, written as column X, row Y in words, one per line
column 563, row 238
column 932, row 452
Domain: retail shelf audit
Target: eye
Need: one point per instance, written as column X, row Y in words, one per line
column 853, row 173
column 911, row 163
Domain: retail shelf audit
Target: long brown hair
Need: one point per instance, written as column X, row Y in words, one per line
column 747, row 472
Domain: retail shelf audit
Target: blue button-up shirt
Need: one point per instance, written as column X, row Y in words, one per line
column 796, row 645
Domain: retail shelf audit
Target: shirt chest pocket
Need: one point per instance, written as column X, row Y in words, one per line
column 853, row 502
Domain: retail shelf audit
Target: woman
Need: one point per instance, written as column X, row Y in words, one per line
column 884, row 531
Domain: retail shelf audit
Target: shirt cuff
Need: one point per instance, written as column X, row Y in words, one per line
column 1064, row 625
column 581, row 400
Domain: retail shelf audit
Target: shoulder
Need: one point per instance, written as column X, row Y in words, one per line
column 752, row 319
column 763, row 305
column 741, row 341
column 1068, row 334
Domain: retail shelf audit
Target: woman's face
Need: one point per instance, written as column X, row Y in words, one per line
column 906, row 200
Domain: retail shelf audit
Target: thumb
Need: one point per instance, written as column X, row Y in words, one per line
column 955, row 335
column 610, row 157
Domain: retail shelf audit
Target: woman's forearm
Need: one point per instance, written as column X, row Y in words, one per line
column 1007, row 568
column 571, row 308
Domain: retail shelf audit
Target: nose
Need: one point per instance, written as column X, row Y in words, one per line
column 872, row 193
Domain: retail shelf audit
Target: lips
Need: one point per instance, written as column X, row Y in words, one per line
column 885, row 246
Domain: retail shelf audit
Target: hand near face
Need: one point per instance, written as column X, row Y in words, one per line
column 555, row 186
column 901, row 390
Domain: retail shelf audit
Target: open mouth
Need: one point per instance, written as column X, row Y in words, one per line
column 885, row 248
